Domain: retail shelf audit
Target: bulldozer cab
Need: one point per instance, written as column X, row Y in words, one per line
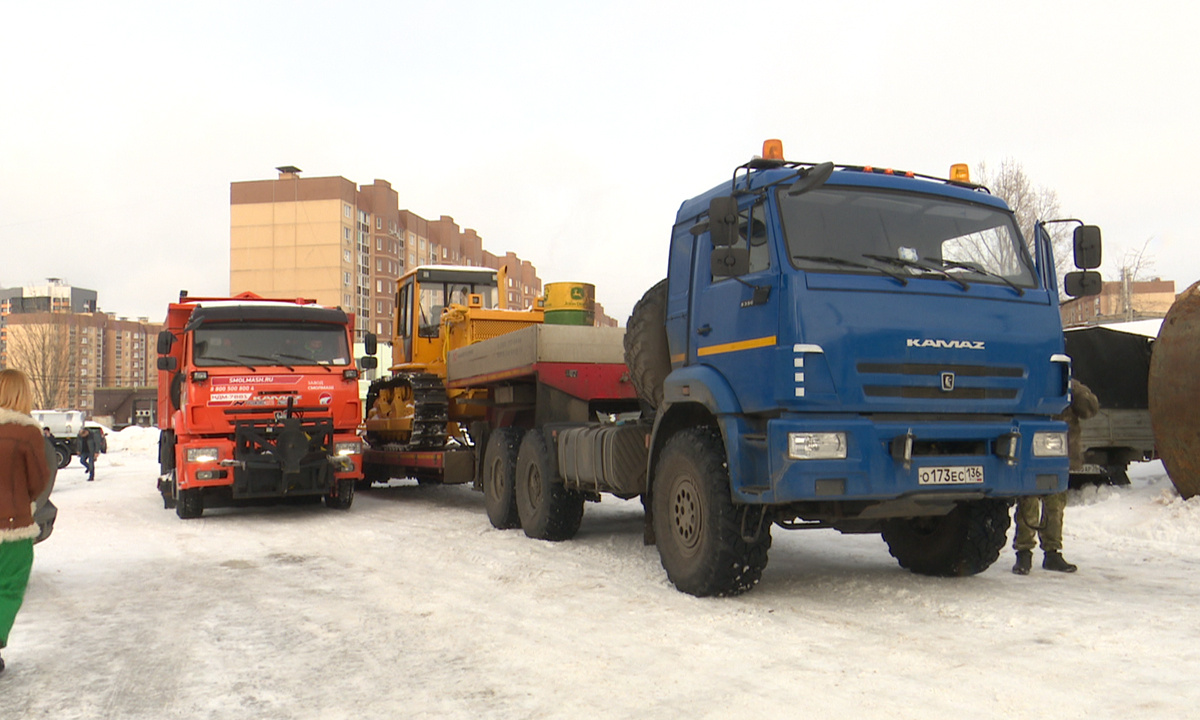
column 424, row 294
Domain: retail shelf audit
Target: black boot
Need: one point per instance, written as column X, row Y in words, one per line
column 1054, row 561
column 1024, row 562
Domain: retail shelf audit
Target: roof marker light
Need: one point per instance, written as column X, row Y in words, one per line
column 959, row 172
column 772, row 149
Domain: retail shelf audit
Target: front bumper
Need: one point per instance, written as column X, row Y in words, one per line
column 763, row 473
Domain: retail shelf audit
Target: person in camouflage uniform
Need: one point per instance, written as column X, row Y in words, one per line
column 1040, row 519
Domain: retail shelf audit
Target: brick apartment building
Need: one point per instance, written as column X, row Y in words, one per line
column 345, row 245
column 55, row 334
column 1120, row 301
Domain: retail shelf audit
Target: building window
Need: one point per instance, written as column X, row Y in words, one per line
column 346, row 232
column 378, row 223
column 348, row 211
column 346, row 255
column 346, row 279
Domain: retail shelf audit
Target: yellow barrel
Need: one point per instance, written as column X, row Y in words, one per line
column 570, row 303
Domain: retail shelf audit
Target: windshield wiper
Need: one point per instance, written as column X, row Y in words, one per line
column 232, row 361
column 831, row 260
column 275, row 359
column 987, row 273
column 306, row 361
column 901, row 262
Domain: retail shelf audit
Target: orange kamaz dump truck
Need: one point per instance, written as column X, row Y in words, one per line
column 257, row 402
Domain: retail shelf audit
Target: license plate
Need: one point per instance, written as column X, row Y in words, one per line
column 953, row 475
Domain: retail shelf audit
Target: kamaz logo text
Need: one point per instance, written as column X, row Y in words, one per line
column 954, row 344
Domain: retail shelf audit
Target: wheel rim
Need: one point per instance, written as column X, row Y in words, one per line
column 533, row 487
column 496, row 489
column 687, row 514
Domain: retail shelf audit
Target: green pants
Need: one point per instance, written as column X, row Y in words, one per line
column 16, row 560
column 1040, row 519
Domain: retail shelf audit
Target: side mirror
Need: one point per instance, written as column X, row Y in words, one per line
column 167, row 363
column 368, row 363
column 371, row 343
column 812, row 179
column 1087, row 247
column 166, row 339
column 730, row 262
column 723, row 221
column 1083, row 284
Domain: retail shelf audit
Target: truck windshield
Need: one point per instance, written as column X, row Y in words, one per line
column 276, row 343
column 857, row 230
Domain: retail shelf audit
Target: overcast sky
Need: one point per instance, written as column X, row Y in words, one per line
column 566, row 132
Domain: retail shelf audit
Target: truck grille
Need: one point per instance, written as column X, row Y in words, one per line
column 898, row 376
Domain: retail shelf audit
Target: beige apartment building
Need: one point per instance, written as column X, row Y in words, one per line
column 1120, row 301
column 345, row 245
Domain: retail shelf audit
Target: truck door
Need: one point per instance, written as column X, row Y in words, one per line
column 735, row 320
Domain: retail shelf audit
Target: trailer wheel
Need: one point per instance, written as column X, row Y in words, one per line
column 62, row 456
column 646, row 351
column 696, row 524
column 499, row 477
column 342, row 497
column 965, row 541
column 189, row 504
column 548, row 510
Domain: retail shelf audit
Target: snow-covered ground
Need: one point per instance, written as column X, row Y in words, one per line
column 411, row 605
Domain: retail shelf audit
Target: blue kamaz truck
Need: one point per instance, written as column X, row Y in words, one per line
column 833, row 347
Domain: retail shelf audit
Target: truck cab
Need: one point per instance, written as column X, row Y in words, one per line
column 258, row 399
column 861, row 349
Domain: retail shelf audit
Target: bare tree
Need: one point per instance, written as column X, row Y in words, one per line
column 1136, row 264
column 1029, row 204
column 39, row 344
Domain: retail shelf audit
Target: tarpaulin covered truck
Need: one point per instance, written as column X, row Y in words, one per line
column 257, row 401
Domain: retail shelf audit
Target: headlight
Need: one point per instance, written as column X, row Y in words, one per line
column 347, row 448
column 203, row 455
column 1050, row 444
column 817, row 446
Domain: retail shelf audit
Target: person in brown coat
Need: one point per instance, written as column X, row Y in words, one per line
column 1040, row 519
column 23, row 475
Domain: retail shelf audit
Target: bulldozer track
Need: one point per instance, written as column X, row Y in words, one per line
column 430, row 408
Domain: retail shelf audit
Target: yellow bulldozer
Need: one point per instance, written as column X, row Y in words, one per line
column 438, row 309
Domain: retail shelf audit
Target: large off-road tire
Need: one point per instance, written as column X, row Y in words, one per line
column 547, row 509
column 189, row 504
column 696, row 525
column 499, row 477
column 965, row 541
column 342, row 497
column 646, row 351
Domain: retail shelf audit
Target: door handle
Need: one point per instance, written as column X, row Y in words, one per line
column 704, row 330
